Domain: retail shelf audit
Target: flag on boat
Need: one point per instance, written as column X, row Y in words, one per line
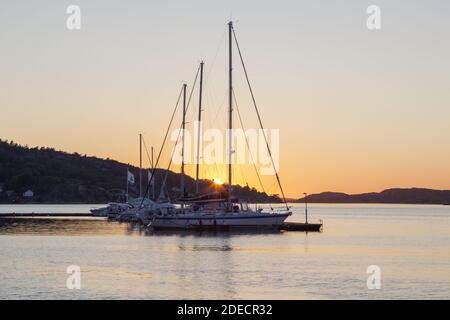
column 130, row 177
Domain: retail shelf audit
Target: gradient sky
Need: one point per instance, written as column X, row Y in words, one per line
column 357, row 110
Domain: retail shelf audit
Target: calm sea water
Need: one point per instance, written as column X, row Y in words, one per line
column 410, row 244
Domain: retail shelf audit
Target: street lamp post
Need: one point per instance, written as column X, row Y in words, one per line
column 306, row 207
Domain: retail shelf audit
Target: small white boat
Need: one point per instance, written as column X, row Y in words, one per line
column 111, row 210
column 143, row 209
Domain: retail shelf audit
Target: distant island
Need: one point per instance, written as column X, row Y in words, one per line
column 395, row 195
column 44, row 175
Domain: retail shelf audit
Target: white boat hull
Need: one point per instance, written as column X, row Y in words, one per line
column 188, row 221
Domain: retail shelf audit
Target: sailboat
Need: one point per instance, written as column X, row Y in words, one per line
column 219, row 210
column 141, row 209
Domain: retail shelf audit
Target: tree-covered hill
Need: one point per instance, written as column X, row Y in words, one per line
column 61, row 177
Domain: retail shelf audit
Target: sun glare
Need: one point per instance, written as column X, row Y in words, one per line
column 218, row 181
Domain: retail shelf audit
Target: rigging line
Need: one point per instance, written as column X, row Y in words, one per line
column 179, row 133
column 246, row 141
column 162, row 147
column 187, row 107
column 217, row 53
column 213, row 100
column 192, row 89
column 209, row 83
column 146, row 151
column 259, row 117
column 148, row 157
column 163, row 185
column 215, row 169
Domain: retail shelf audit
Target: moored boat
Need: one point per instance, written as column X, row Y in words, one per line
column 221, row 220
column 143, row 209
column 219, row 211
column 111, row 210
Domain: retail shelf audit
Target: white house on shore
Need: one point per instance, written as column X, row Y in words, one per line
column 28, row 194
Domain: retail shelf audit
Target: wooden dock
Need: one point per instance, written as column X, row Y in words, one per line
column 35, row 214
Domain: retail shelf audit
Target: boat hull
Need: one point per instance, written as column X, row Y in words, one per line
column 211, row 222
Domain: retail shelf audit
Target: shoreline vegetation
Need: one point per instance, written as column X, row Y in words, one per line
column 42, row 175
column 57, row 177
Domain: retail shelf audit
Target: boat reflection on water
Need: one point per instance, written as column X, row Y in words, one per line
column 138, row 228
column 209, row 233
column 73, row 226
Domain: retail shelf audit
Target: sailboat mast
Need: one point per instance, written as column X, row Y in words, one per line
column 183, row 126
column 140, row 165
column 199, row 128
column 126, row 196
column 230, row 109
column 153, row 184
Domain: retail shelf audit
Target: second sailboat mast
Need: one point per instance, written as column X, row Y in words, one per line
column 183, row 127
column 199, row 128
column 230, row 110
column 140, row 165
